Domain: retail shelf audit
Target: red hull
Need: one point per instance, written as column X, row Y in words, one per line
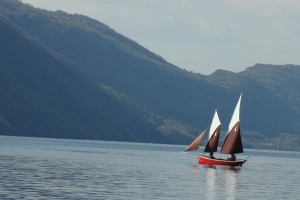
column 208, row 161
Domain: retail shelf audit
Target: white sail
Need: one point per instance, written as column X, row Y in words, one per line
column 235, row 116
column 214, row 125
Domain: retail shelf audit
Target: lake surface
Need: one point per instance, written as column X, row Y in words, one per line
column 37, row 168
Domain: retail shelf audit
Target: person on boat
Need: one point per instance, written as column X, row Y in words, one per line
column 211, row 155
column 232, row 158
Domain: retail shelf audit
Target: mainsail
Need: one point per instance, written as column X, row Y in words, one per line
column 233, row 142
column 196, row 143
column 214, row 132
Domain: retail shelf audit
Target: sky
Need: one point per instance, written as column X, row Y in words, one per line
column 201, row 35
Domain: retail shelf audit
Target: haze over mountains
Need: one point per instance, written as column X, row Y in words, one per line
column 70, row 76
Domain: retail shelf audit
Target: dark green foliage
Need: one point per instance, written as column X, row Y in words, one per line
column 42, row 96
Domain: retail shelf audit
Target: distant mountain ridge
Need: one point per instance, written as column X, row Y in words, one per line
column 114, row 76
column 283, row 80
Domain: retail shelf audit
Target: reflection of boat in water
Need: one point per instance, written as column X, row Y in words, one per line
column 224, row 178
column 232, row 143
column 211, row 183
column 230, row 184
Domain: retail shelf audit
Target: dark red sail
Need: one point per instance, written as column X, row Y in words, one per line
column 214, row 132
column 196, row 143
column 212, row 144
column 233, row 142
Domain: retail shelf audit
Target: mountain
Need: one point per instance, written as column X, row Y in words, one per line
column 265, row 111
column 113, row 88
column 107, row 57
column 282, row 80
column 42, row 96
column 272, row 109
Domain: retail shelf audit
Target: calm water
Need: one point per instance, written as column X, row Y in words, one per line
column 35, row 168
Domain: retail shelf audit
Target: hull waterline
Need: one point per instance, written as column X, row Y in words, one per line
column 208, row 161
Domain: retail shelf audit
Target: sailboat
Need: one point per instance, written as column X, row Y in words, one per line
column 232, row 143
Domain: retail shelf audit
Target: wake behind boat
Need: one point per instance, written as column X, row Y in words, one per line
column 232, row 143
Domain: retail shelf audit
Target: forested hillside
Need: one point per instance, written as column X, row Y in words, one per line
column 41, row 96
column 71, row 76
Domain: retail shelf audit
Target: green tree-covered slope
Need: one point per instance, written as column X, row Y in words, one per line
column 167, row 101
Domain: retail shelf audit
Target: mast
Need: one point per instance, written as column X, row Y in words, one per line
column 214, row 132
column 233, row 142
column 196, row 143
